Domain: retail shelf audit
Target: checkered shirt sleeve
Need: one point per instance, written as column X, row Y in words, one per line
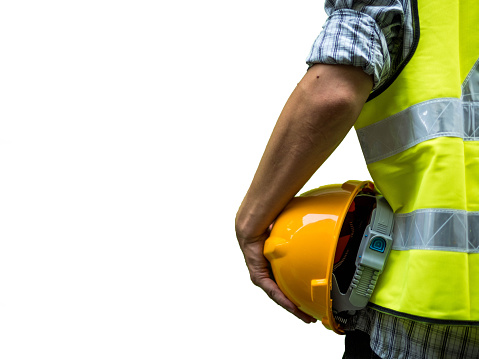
column 374, row 35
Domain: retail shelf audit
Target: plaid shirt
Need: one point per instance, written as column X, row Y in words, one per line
column 377, row 35
column 393, row 337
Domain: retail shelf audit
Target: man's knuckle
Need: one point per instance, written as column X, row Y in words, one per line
column 271, row 293
column 256, row 281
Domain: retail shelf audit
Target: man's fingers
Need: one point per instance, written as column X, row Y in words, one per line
column 261, row 275
column 273, row 291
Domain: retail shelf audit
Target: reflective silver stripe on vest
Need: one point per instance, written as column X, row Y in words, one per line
column 444, row 117
column 437, row 229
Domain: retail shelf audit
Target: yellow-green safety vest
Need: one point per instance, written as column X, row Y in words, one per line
column 420, row 138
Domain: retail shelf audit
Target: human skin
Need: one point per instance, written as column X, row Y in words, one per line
column 317, row 116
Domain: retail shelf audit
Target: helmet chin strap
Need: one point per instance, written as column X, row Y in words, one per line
column 373, row 252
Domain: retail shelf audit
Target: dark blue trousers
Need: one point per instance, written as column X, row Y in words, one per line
column 356, row 346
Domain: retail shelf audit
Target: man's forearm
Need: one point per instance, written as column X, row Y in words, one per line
column 316, row 118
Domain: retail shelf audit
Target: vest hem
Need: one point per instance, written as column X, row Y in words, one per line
column 417, row 318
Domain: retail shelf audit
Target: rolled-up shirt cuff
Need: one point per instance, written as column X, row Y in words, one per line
column 352, row 38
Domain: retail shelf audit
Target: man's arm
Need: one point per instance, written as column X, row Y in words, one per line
column 316, row 118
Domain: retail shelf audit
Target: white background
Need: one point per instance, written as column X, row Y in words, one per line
column 129, row 133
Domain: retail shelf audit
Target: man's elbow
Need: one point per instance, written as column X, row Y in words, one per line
column 337, row 87
column 334, row 93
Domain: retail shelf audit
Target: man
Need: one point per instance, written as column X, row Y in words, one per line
column 413, row 104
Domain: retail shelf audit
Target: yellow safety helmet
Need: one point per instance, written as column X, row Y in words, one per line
column 327, row 248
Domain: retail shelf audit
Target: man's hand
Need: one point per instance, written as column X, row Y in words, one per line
column 260, row 274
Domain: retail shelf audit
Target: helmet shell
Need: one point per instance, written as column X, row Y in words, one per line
column 302, row 246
